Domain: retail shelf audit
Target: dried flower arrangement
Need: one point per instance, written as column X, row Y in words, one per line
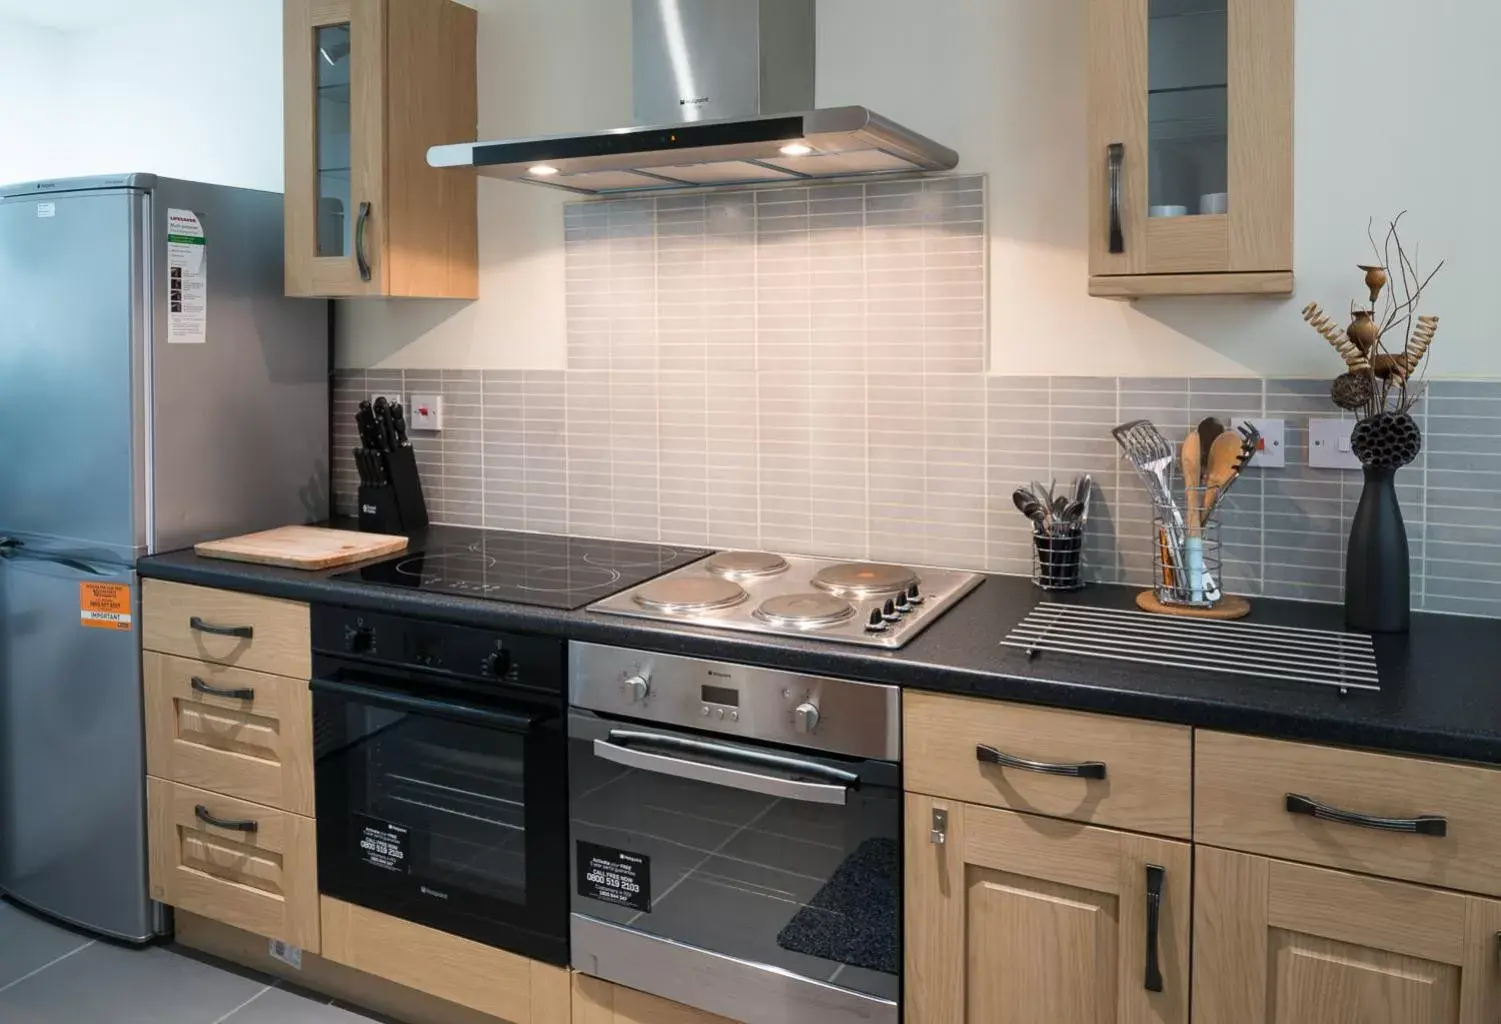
column 1380, row 375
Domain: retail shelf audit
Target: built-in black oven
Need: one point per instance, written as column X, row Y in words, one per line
column 441, row 777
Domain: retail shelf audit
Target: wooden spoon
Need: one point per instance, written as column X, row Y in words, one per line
column 1209, row 428
column 1220, row 469
column 1193, row 461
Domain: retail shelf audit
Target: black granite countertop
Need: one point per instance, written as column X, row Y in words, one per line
column 1440, row 684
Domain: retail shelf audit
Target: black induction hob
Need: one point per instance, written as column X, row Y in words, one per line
column 527, row 568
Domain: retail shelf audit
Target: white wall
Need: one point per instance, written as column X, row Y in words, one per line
column 189, row 90
column 34, row 101
column 1393, row 112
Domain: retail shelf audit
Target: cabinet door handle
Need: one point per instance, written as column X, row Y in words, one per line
column 243, row 632
column 359, row 241
column 243, row 693
column 1082, row 770
column 201, row 813
column 1115, row 156
column 1423, row 824
column 1156, row 876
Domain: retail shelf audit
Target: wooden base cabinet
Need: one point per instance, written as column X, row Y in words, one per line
column 1287, row 943
column 1017, row 919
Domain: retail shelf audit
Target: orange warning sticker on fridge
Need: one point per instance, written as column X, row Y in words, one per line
column 104, row 605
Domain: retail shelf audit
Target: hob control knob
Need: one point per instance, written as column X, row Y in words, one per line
column 902, row 607
column 638, row 686
column 498, row 664
column 805, row 716
column 914, row 596
column 888, row 611
column 877, row 623
column 362, row 640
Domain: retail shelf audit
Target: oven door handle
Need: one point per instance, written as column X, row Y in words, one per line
column 717, row 775
column 468, row 714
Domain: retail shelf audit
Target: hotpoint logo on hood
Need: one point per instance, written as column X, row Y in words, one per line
column 693, row 101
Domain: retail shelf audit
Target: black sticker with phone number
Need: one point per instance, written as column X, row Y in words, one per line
column 382, row 845
column 614, row 876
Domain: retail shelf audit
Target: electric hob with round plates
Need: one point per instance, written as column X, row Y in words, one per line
column 875, row 603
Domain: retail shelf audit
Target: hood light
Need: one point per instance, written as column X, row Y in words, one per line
column 542, row 170
column 796, row 149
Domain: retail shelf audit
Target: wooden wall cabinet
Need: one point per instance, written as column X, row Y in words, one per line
column 369, row 86
column 1190, row 147
column 1013, row 919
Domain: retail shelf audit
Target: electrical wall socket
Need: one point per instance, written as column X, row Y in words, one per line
column 392, row 399
column 1273, row 451
column 425, row 412
column 1329, row 444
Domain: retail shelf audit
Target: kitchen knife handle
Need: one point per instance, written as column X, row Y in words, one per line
column 234, row 825
column 1423, row 824
column 359, row 241
column 1083, row 770
column 1114, row 158
column 1156, row 876
column 243, row 632
column 242, row 693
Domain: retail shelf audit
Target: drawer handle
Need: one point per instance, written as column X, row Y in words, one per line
column 243, row 632
column 1115, row 155
column 1082, row 770
column 1156, row 876
column 243, row 693
column 246, row 825
column 1423, row 824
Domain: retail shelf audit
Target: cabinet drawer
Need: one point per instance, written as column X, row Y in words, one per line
column 244, row 734
column 1147, row 765
column 1241, row 788
column 244, row 630
column 263, row 880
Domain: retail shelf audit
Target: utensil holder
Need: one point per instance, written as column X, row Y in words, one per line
column 1058, row 559
column 1186, row 559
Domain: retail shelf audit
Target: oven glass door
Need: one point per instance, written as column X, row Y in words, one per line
column 798, row 869
column 443, row 811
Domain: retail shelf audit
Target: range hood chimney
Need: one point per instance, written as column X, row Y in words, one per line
column 726, row 87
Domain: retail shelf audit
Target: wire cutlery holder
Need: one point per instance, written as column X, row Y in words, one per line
column 1186, row 557
column 1058, row 559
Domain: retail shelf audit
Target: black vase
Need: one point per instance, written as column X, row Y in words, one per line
column 1378, row 586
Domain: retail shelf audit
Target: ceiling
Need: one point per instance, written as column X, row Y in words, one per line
column 66, row 14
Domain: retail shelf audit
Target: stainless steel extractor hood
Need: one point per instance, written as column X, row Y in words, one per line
column 726, row 90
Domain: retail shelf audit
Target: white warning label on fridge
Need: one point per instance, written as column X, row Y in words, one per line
column 187, row 279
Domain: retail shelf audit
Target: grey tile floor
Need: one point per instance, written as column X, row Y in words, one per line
column 50, row 975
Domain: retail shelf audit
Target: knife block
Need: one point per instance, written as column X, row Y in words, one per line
column 378, row 511
column 397, row 506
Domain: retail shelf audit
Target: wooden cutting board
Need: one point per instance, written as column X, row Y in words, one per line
column 302, row 547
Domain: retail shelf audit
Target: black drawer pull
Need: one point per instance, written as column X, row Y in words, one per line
column 1083, row 770
column 1423, row 824
column 1115, row 155
column 243, row 693
column 202, row 814
column 1156, row 876
column 243, row 632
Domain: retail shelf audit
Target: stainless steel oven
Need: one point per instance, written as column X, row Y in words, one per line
column 736, row 836
column 439, row 776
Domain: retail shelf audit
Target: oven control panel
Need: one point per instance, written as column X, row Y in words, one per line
column 416, row 644
column 817, row 712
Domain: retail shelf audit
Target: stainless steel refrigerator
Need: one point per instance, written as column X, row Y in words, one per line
column 156, row 389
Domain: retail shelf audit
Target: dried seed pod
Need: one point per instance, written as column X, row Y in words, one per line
column 1352, row 390
column 1388, row 440
column 1386, row 366
column 1375, row 280
column 1353, row 357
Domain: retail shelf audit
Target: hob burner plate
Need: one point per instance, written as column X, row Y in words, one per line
column 746, row 565
column 689, row 595
column 805, row 611
column 864, row 579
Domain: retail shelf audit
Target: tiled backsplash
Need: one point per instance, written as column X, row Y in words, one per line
column 803, row 370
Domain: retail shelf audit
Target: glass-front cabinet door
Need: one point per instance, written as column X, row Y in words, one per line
column 1190, row 146
column 334, row 62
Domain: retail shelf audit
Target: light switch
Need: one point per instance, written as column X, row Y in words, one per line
column 425, row 412
column 1329, row 444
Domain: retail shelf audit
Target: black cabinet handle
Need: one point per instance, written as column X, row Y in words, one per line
column 1083, row 770
column 1115, row 156
column 244, row 693
column 1423, row 824
column 359, row 241
column 243, row 632
column 1156, row 876
column 202, row 814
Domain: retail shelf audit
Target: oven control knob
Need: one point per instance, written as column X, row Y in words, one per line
column 361, row 640
column 638, row 686
column 498, row 664
column 805, row 716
